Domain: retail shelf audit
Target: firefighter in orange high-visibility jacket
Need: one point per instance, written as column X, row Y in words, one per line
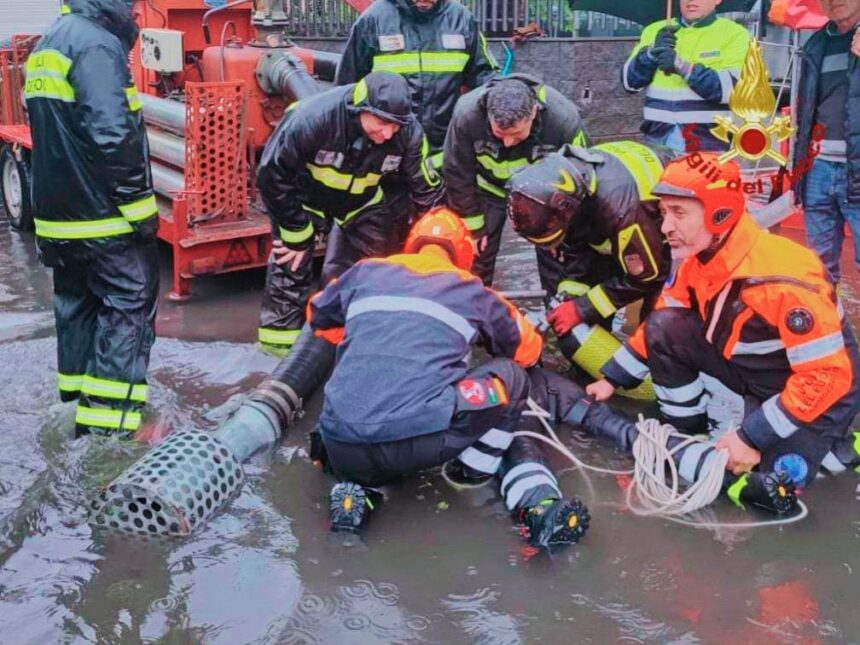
column 748, row 339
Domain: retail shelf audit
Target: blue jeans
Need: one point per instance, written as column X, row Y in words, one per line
column 673, row 139
column 826, row 211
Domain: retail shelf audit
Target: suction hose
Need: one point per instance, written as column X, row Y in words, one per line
column 590, row 346
column 181, row 483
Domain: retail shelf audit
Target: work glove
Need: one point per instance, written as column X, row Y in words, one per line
column 145, row 230
column 665, row 60
column 564, row 317
column 666, row 38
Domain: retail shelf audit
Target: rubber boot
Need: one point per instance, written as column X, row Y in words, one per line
column 768, row 491
column 555, row 522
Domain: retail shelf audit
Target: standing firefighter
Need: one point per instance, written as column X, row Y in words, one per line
column 322, row 170
column 748, row 335
column 95, row 212
column 497, row 130
column 592, row 213
column 689, row 68
column 434, row 44
column 401, row 398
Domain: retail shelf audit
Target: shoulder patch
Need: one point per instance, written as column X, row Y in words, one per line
column 800, row 320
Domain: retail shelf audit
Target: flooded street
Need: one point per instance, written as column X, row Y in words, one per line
column 440, row 566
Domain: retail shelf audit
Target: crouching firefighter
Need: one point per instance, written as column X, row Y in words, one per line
column 95, row 211
column 401, row 398
column 353, row 161
column 592, row 214
column 748, row 339
column 497, row 130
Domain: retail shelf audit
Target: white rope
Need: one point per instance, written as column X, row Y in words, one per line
column 649, row 494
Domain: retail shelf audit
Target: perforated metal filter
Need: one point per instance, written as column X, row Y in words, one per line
column 176, row 486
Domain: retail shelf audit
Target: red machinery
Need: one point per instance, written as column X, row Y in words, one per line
column 214, row 83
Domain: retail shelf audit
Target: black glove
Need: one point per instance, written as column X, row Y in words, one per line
column 666, row 38
column 665, row 60
column 145, row 231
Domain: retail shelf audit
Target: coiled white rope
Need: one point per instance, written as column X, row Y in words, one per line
column 649, row 495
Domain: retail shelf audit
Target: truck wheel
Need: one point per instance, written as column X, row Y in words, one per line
column 15, row 188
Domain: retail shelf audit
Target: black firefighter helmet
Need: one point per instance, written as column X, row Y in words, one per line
column 543, row 198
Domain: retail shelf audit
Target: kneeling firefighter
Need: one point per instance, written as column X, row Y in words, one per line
column 401, row 398
column 592, row 213
column 748, row 338
column 353, row 161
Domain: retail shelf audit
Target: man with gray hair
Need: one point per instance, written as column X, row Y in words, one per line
column 497, row 129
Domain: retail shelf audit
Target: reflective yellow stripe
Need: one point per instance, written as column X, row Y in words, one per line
column 331, row 178
column 359, row 93
column 640, row 162
column 107, row 418
column 134, row 102
column 734, row 491
column 65, row 9
column 546, row 239
column 296, row 237
column 278, row 336
column 483, row 184
column 474, row 222
column 69, row 382
column 428, row 170
column 597, row 296
column 445, row 62
column 108, row 389
column 437, row 160
column 85, row 230
column 625, row 237
column 486, row 50
column 502, row 169
column 857, row 448
column 604, row 248
column 378, row 197
column 541, row 94
column 140, row 209
column 313, row 211
column 47, row 74
column 573, row 287
column 579, row 139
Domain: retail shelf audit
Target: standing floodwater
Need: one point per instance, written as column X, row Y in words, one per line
column 440, row 567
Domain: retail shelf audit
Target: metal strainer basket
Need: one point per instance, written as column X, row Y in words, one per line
column 173, row 488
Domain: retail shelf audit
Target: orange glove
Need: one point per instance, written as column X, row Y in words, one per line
column 564, row 317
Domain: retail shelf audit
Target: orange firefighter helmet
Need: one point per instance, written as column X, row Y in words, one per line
column 717, row 186
column 443, row 227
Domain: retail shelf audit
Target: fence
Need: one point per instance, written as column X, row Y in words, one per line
column 497, row 18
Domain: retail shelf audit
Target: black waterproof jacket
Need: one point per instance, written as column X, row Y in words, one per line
column 613, row 253
column 438, row 52
column 805, row 149
column 90, row 164
column 319, row 166
column 476, row 162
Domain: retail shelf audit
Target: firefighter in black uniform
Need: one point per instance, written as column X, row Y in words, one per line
column 434, row 44
column 497, row 130
column 95, row 212
column 323, row 170
column 592, row 212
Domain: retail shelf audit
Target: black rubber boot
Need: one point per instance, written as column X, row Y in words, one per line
column 767, row 491
column 554, row 523
column 350, row 506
